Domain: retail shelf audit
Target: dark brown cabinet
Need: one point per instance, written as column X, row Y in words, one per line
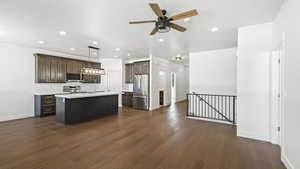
column 40, row 70
column 129, row 73
column 73, row 66
column 127, row 99
column 141, row 67
column 145, row 67
column 52, row 69
column 61, row 70
column 136, row 68
column 44, row 105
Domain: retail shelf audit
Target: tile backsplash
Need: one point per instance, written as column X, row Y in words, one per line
column 128, row 87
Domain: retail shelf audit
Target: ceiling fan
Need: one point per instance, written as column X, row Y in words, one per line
column 163, row 23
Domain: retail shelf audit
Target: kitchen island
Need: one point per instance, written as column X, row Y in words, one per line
column 80, row 107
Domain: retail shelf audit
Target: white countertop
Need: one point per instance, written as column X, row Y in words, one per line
column 51, row 93
column 130, row 91
column 82, row 95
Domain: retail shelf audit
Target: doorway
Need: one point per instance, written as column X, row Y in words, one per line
column 173, row 88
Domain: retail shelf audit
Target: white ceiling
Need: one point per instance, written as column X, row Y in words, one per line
column 106, row 21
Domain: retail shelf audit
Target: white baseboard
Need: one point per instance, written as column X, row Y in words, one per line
column 249, row 135
column 210, row 120
column 180, row 99
column 152, row 109
column 15, row 117
column 286, row 161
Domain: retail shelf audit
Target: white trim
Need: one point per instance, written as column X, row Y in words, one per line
column 180, row 99
column 210, row 120
column 286, row 161
column 15, row 117
column 244, row 134
column 152, row 109
column 136, row 60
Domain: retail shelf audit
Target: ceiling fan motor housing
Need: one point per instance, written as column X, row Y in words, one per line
column 163, row 24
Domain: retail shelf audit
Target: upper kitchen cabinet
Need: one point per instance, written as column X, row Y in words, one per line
column 137, row 68
column 73, row 66
column 49, row 69
column 61, row 70
column 42, row 69
column 145, row 67
column 129, row 73
column 141, row 67
column 52, row 69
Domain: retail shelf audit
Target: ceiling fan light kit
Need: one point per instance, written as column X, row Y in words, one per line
column 163, row 23
column 178, row 58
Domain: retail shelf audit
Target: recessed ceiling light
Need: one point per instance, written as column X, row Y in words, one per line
column 62, row 33
column 116, row 56
column 118, row 49
column 187, row 19
column 95, row 43
column 72, row 49
column 161, row 40
column 41, row 42
column 214, row 29
column 128, row 54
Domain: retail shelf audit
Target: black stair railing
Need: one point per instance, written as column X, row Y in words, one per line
column 214, row 107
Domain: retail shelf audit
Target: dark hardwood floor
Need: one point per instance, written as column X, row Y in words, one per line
column 161, row 139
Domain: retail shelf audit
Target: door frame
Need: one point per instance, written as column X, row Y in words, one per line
column 173, row 89
column 277, row 137
column 276, row 94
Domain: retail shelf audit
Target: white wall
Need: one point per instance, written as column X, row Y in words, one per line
column 112, row 80
column 17, row 85
column 161, row 79
column 187, row 78
column 287, row 22
column 253, row 81
column 213, row 72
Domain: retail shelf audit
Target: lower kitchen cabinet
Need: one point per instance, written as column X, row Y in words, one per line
column 127, row 99
column 44, row 105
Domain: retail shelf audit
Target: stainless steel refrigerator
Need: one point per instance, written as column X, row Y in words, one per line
column 141, row 92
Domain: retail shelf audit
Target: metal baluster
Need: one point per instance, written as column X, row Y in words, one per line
column 187, row 107
column 202, row 109
column 210, row 109
column 229, row 108
column 194, row 105
column 234, row 110
column 208, row 101
column 226, row 104
column 206, row 106
column 198, row 106
column 215, row 114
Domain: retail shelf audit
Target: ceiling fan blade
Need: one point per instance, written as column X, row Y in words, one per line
column 156, row 9
column 177, row 27
column 184, row 15
column 154, row 31
column 138, row 22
